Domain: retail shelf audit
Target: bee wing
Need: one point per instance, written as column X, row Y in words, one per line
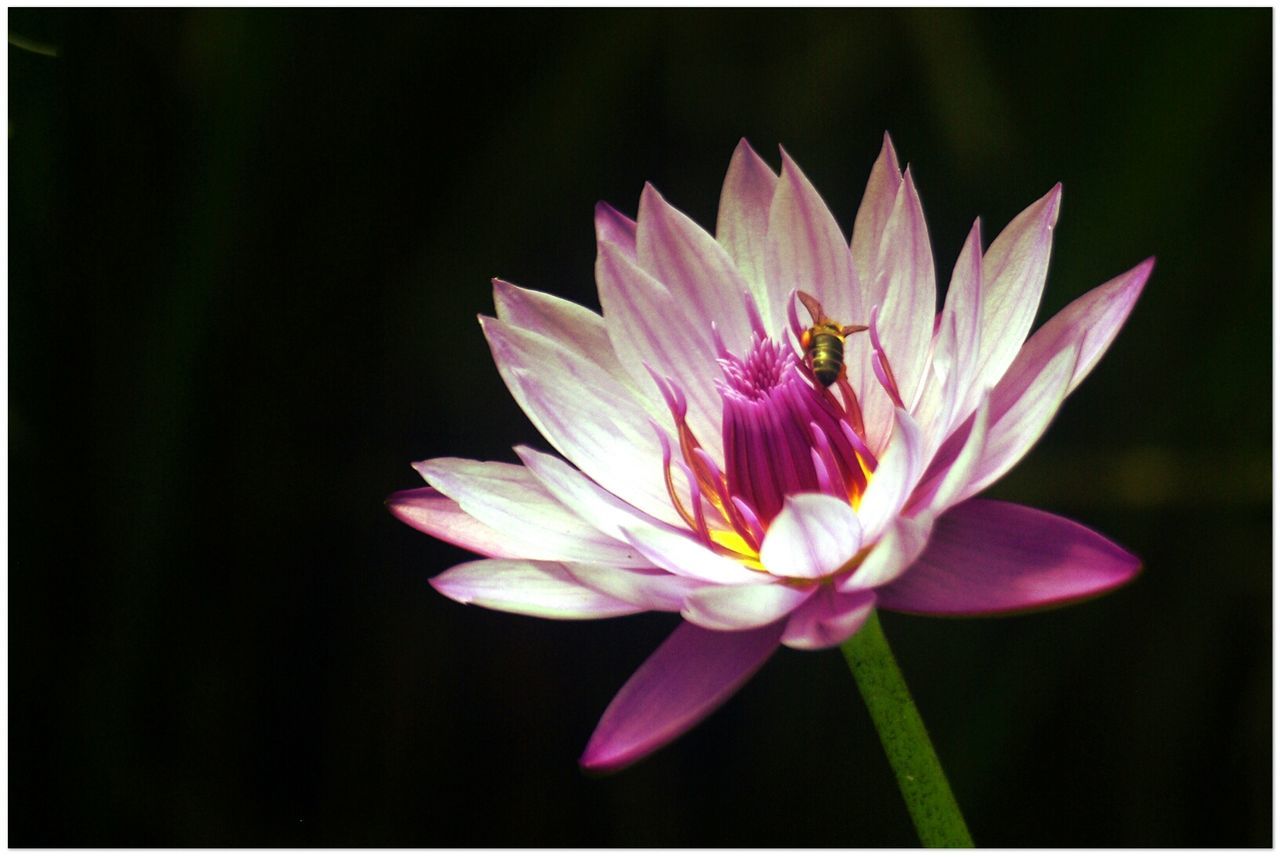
column 813, row 306
column 852, row 328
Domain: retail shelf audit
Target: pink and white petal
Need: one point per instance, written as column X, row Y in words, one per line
column 572, row 326
column 938, row 396
column 740, row 608
column 585, row 498
column 894, row 479
column 616, row 228
column 429, row 511
column 743, row 223
column 648, row 326
column 589, row 417
column 651, row 588
column 900, row 546
column 906, row 291
column 987, row 557
column 805, row 251
column 1013, row 272
column 681, row 553
column 874, row 211
column 828, row 619
column 689, row 676
column 700, row 275
column 510, row 500
column 1092, row 320
column 1022, row 406
column 944, row 486
column 542, row 589
column 812, row 536
column 963, row 306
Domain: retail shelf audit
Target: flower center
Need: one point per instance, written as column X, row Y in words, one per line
column 784, row 433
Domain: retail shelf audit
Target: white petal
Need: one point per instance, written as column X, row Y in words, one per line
column 542, row 589
column 895, row 477
column 683, row 554
column 1013, row 274
column 510, row 500
column 813, row 535
column 698, row 272
column 963, row 310
column 569, row 325
column 901, row 544
column 874, row 211
column 1021, row 410
column 806, row 251
column 827, row 619
column 648, row 326
column 602, row 510
column 648, row 588
column 592, row 419
column 907, row 291
column 953, row 480
column 740, row 608
column 743, row 223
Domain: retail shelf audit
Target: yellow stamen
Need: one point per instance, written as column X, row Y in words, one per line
column 737, row 545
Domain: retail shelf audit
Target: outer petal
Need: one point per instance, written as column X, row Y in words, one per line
column 813, row 535
column 938, row 395
column 589, row 501
column 616, row 228
column 805, row 251
column 828, row 619
column 648, row 326
column 688, row 677
column 1091, row 320
column 894, row 479
column 743, row 223
column 874, row 211
column 509, row 499
column 648, row 588
column 900, row 546
column 1013, row 272
column 990, row 557
column 592, row 419
column 698, row 272
column 542, row 589
column 1022, row 406
column 942, row 486
column 681, row 554
column 963, row 308
column 428, row 510
column 739, row 608
column 571, row 326
column 906, row 291
column 665, row 547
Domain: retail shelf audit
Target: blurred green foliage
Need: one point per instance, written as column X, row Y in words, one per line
column 247, row 249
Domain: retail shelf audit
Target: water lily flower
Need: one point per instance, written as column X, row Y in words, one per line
column 722, row 460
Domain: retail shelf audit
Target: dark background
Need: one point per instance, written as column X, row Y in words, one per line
column 247, row 249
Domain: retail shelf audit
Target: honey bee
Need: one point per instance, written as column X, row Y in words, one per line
column 823, row 343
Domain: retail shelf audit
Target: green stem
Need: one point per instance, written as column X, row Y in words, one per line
column 924, row 786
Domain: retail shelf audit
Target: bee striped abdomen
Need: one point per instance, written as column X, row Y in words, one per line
column 826, row 353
